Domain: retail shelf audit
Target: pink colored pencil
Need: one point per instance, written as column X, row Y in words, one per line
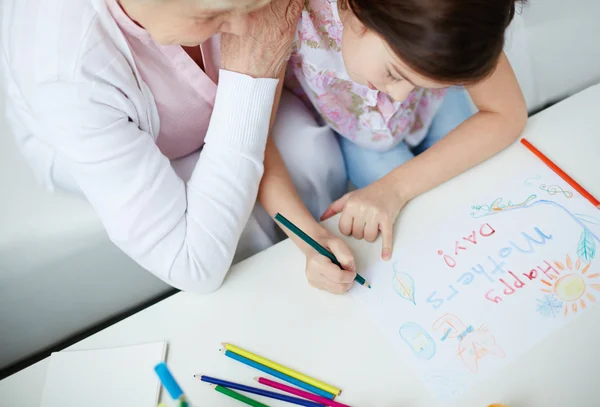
column 298, row 392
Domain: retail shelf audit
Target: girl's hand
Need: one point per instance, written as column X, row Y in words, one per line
column 262, row 52
column 325, row 275
column 367, row 211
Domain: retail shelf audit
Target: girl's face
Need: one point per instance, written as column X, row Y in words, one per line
column 190, row 22
column 370, row 62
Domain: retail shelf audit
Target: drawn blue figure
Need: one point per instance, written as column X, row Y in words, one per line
column 418, row 340
column 404, row 285
column 549, row 306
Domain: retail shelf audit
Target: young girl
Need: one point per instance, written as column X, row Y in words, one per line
column 390, row 77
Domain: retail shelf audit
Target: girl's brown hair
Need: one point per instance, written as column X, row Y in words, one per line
column 451, row 41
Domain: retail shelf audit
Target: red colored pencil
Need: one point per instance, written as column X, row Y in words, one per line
column 561, row 173
column 300, row 393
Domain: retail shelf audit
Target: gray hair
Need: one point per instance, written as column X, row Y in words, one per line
column 228, row 4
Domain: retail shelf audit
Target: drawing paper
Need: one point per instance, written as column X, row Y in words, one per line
column 521, row 258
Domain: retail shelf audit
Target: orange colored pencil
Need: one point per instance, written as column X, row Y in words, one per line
column 561, row 173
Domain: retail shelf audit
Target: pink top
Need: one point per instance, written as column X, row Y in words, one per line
column 369, row 118
column 186, row 100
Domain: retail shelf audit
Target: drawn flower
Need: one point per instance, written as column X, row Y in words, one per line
column 549, row 305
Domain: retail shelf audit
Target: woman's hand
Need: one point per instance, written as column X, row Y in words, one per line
column 262, row 52
column 325, row 275
column 367, row 211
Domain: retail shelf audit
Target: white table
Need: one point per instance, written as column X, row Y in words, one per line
column 266, row 305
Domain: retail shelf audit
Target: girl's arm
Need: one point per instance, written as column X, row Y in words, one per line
column 501, row 119
column 277, row 193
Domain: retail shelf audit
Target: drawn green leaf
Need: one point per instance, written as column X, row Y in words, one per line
column 586, row 249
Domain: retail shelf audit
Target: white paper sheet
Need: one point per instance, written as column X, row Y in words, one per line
column 506, row 271
column 104, row 377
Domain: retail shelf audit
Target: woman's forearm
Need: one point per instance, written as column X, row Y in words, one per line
column 186, row 234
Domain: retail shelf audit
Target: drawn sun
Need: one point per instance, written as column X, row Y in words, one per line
column 572, row 288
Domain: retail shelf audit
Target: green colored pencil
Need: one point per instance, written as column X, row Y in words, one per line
column 239, row 397
column 315, row 245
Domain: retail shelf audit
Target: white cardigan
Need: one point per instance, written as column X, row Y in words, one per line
column 75, row 93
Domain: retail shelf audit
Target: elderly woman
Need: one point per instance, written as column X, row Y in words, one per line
column 123, row 101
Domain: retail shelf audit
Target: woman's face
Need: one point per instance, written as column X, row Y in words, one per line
column 191, row 22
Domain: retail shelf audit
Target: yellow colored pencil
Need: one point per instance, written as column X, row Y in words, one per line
column 285, row 370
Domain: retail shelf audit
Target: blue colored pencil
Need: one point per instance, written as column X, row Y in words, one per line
column 260, row 392
column 279, row 375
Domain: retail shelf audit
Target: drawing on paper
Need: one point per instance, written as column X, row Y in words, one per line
column 586, row 248
column 587, row 218
column 473, row 344
column 418, row 340
column 549, row 189
column 573, row 286
column 486, row 211
column 447, row 384
column 556, row 189
column 528, row 183
column 443, row 338
column 498, row 205
column 404, row 285
column 549, row 306
column 479, row 269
